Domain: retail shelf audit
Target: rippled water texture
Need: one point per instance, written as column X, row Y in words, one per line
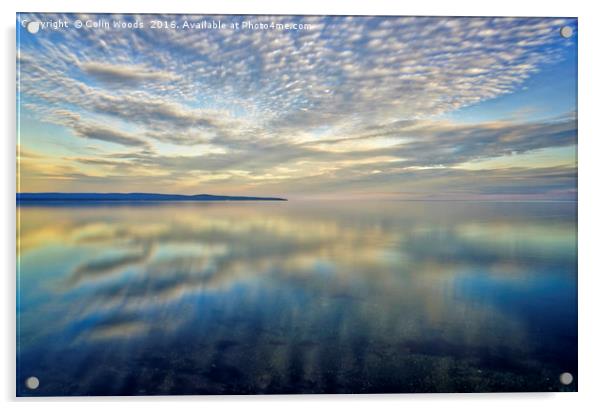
column 297, row 297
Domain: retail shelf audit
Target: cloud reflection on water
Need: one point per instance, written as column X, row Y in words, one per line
column 299, row 297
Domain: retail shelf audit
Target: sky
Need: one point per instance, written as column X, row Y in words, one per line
column 339, row 107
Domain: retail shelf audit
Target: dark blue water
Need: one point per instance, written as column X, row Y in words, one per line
column 297, row 297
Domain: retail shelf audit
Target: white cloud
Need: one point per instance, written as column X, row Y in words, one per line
column 257, row 94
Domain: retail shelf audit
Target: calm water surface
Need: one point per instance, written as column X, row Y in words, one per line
column 297, row 297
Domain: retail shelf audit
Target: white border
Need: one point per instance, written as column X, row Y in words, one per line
column 590, row 269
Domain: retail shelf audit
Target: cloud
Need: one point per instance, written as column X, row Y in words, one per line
column 435, row 143
column 340, row 68
column 418, row 156
column 410, row 144
column 263, row 106
column 95, row 131
column 102, row 133
column 124, row 75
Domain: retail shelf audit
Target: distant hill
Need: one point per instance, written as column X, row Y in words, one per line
column 132, row 197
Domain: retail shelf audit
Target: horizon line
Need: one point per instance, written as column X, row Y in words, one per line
column 39, row 196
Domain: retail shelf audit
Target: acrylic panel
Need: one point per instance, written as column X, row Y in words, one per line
column 260, row 204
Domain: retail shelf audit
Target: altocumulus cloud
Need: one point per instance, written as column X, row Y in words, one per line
column 349, row 98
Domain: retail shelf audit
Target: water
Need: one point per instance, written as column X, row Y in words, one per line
column 297, row 297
